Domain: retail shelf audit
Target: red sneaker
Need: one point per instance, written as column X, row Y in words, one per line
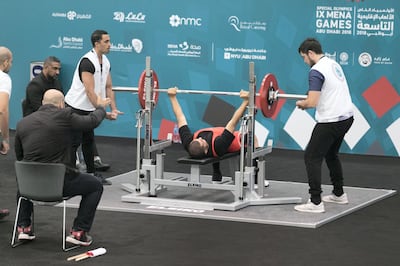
column 79, row 238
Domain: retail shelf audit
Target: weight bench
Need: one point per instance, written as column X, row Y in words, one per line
column 196, row 163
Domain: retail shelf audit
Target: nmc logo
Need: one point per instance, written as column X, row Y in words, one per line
column 176, row 21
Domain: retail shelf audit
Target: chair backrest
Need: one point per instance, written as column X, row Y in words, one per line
column 40, row 181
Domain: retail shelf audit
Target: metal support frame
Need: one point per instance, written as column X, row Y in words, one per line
column 147, row 189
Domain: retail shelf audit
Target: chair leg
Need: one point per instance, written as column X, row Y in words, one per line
column 15, row 223
column 63, row 227
column 64, row 245
column 33, row 218
column 14, row 243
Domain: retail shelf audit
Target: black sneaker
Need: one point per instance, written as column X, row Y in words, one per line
column 216, row 177
column 100, row 166
column 102, row 179
column 4, row 213
column 79, row 238
column 25, row 233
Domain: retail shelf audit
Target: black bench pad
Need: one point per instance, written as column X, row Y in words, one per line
column 207, row 160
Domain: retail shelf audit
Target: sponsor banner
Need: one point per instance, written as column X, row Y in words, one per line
column 67, row 42
column 240, row 25
column 72, row 15
column 348, row 20
column 245, row 54
column 208, row 45
column 129, row 17
column 184, row 49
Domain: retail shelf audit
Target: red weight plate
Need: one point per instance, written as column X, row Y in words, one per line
column 268, row 85
column 141, row 89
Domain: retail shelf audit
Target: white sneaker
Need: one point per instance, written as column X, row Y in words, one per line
column 310, row 207
column 266, row 184
column 335, row 199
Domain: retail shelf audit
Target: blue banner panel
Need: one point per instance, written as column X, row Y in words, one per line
column 207, row 45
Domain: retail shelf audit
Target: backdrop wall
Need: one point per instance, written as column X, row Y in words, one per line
column 207, row 45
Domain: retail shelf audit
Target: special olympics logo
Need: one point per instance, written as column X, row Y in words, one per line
column 338, row 71
column 365, row 59
column 71, row 15
column 234, row 21
column 344, row 57
column 174, row 20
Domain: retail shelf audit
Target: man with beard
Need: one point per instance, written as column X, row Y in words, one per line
column 329, row 94
column 48, row 79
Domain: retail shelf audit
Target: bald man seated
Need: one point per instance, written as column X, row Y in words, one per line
column 45, row 136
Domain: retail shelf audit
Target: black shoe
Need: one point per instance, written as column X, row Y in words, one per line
column 4, row 213
column 100, row 166
column 102, row 179
column 216, row 177
column 79, row 238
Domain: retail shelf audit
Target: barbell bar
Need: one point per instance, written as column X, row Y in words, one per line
column 179, row 91
column 268, row 93
column 228, row 93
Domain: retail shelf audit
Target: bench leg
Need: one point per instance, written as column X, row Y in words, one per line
column 194, row 174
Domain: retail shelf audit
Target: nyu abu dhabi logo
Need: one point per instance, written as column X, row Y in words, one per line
column 176, row 21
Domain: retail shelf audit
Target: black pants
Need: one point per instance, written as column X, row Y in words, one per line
column 325, row 142
column 85, row 185
column 86, row 138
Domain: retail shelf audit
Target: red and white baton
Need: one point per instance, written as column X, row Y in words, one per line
column 88, row 254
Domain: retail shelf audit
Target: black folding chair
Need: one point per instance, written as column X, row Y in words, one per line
column 42, row 184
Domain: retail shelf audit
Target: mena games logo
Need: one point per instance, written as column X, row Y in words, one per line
column 176, row 21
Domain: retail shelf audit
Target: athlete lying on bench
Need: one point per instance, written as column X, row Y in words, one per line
column 210, row 142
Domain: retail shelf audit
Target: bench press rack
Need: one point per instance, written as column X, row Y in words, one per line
column 150, row 181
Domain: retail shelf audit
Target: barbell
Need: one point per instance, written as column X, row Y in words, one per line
column 268, row 93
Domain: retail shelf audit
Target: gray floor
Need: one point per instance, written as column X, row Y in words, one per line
column 168, row 203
